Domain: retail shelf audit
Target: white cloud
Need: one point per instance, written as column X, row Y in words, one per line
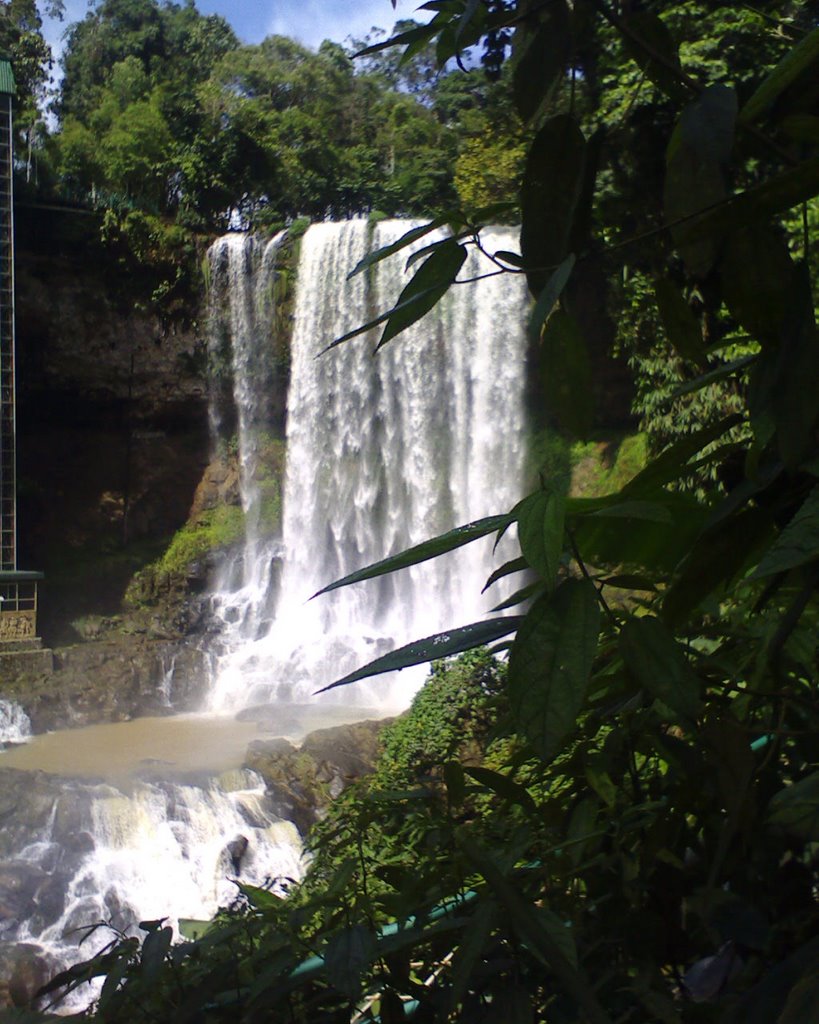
column 312, row 21
column 309, row 21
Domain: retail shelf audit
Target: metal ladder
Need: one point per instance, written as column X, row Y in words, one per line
column 8, row 470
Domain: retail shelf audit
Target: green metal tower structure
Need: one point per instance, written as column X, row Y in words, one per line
column 18, row 590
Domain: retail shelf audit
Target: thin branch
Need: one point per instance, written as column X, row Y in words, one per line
column 482, row 277
column 598, row 590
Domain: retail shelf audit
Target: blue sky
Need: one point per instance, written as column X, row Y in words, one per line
column 309, row 21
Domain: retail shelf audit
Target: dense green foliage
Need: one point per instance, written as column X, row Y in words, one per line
column 22, row 43
column 640, row 843
column 161, row 109
column 170, row 128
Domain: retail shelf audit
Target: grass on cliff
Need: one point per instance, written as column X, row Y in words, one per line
column 586, row 469
column 215, row 528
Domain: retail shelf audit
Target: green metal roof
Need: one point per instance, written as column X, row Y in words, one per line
column 7, row 83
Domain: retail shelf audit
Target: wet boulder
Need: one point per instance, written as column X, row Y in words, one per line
column 24, row 969
column 19, row 883
column 302, row 781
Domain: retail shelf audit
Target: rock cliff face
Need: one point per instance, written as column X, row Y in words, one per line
column 110, row 680
column 112, row 413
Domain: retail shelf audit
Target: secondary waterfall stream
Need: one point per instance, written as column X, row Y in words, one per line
column 382, row 452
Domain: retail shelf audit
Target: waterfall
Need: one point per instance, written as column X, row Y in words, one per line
column 15, row 726
column 383, row 452
column 153, row 850
column 242, row 272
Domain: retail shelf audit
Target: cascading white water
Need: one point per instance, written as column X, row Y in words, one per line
column 15, row 726
column 241, row 299
column 384, row 452
column 158, row 850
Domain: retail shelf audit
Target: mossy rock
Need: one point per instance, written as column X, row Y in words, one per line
column 304, row 781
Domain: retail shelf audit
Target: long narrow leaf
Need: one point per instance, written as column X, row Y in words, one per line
column 648, row 511
column 524, row 594
column 421, row 552
column 536, row 931
column 406, row 239
column 506, row 788
column 516, row 565
column 441, row 645
column 548, row 298
column 423, row 32
column 430, row 283
column 673, row 463
column 726, row 370
column 796, row 62
column 382, row 318
column 797, row 544
column 419, row 254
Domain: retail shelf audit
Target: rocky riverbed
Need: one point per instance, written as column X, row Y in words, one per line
column 70, row 847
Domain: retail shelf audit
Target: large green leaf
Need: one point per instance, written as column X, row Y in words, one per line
column 795, row 809
column 652, row 532
column 431, row 282
column 155, row 948
column 406, row 239
column 428, row 285
column 757, row 275
column 548, row 298
column 441, row 645
column 781, row 192
column 552, row 184
column 699, row 147
column 682, row 327
column 794, row 404
column 541, row 518
column 798, row 543
column 348, row 955
column 799, row 59
column 422, row 552
column 543, row 60
column 567, row 376
column 650, row 44
column 550, row 664
column 707, row 125
column 660, row 666
column 719, row 555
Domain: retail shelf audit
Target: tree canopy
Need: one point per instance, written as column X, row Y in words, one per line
column 268, row 132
